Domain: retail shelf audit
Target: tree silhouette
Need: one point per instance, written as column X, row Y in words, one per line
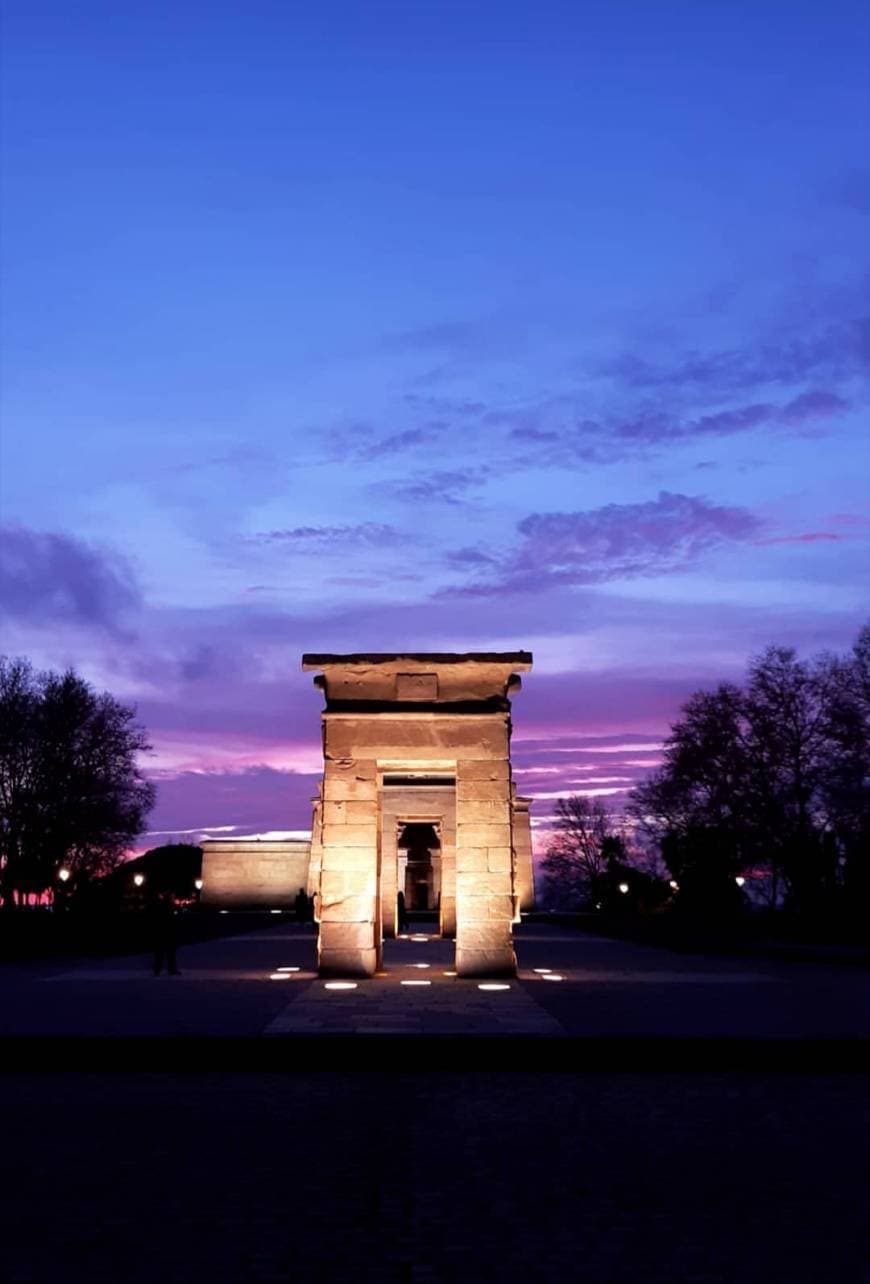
column 71, row 792
column 774, row 776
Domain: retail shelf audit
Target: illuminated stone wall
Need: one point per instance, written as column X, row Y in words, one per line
column 437, row 715
column 245, row 874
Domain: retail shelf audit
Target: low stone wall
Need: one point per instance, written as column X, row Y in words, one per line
column 250, row 874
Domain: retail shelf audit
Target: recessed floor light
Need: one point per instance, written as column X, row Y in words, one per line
column 287, row 969
column 449, row 973
column 493, row 985
column 420, row 965
column 418, row 938
column 552, row 976
column 415, row 982
column 280, row 976
column 542, row 970
column 340, row 985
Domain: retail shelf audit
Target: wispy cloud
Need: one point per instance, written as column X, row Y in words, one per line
column 364, row 533
column 449, row 487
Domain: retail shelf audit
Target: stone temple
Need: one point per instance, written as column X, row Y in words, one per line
column 416, row 796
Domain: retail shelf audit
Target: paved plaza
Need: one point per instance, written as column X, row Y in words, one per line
column 570, row 984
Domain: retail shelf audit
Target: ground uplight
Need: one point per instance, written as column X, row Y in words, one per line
column 280, row 976
column 552, row 976
column 415, row 982
column 419, row 965
column 542, row 971
column 493, row 985
column 286, row 969
column 340, row 985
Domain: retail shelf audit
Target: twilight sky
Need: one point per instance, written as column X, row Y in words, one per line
column 454, row 326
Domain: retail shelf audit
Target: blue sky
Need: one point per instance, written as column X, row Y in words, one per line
column 377, row 326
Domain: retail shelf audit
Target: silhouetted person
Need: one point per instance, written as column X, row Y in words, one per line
column 311, row 910
column 403, row 913
column 164, row 934
column 301, row 904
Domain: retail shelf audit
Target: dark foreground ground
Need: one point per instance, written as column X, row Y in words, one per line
column 653, row 1117
column 448, row 1176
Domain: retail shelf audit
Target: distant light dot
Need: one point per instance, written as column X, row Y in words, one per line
column 340, row 985
column 541, row 970
column 286, row 969
column 493, row 985
column 280, row 976
column 449, row 973
column 740, row 880
column 274, row 911
column 673, row 885
column 420, row 965
column 552, row 976
column 415, row 982
column 623, row 887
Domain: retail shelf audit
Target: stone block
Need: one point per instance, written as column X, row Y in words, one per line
column 497, row 791
column 351, row 860
column 471, row 860
column 490, row 770
column 486, row 963
column 473, row 811
column 474, row 885
column 346, row 936
column 347, row 963
column 348, row 909
column 338, row 883
column 359, row 811
column 492, row 835
column 338, row 835
column 499, row 860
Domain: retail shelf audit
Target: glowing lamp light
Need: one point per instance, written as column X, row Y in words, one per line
column 138, row 879
column 197, row 882
column 493, row 985
column 623, row 887
column 419, row 965
column 63, row 874
column 542, row 971
column 552, row 976
column 274, row 911
column 340, row 985
column 280, row 976
column 673, row 885
column 740, row 880
column 418, row 938
column 449, row 973
column 286, row 969
column 415, row 983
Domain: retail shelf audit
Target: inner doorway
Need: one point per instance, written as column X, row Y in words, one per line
column 419, row 847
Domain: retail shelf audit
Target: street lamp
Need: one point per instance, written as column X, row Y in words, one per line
column 63, row 874
column 623, row 887
column 197, row 882
column 138, row 880
column 673, row 885
column 740, row 880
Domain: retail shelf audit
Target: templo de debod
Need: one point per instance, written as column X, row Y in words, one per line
column 416, row 797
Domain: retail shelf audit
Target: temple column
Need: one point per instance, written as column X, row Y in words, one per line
column 349, row 942
column 484, row 884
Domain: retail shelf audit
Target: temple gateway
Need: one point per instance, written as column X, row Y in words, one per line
column 416, row 798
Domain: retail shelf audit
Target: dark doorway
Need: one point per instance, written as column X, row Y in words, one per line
column 421, row 846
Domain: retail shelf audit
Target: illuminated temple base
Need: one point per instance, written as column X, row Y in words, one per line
column 417, row 752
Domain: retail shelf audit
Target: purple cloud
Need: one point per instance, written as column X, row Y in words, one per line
column 47, row 578
column 366, row 533
column 617, row 541
column 433, row 488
